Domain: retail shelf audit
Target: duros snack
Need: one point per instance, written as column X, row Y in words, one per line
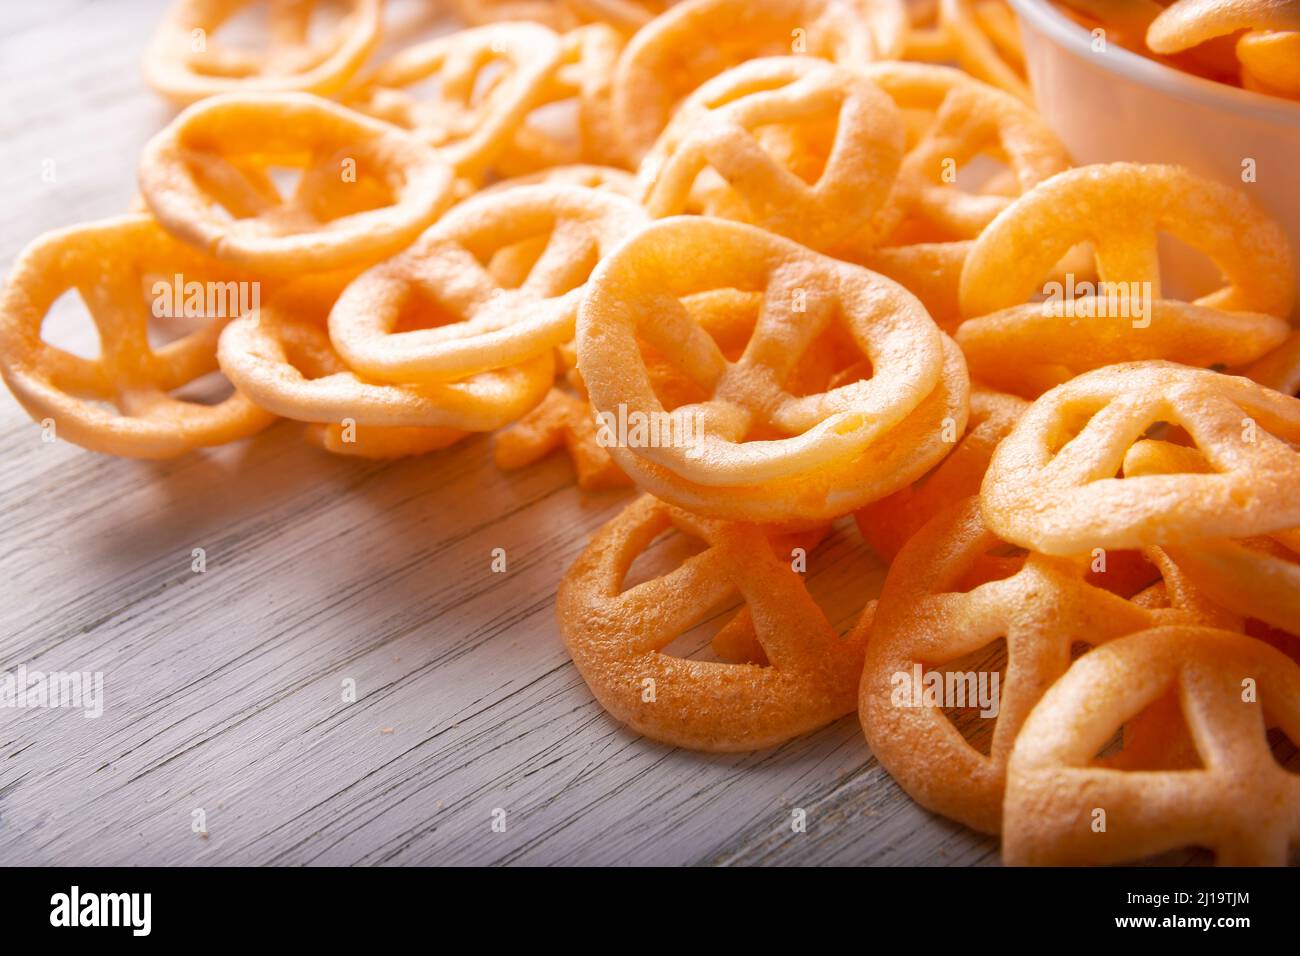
column 584, row 76
column 562, row 419
column 284, row 360
column 1237, row 801
column 1030, row 348
column 698, row 39
column 752, row 450
column 1119, row 208
column 1256, row 577
column 185, row 62
column 1052, row 487
column 126, row 272
column 366, row 189
column 851, row 164
column 950, row 593
column 617, row 638
column 436, row 312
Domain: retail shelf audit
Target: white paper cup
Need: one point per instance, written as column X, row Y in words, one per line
column 1119, row 106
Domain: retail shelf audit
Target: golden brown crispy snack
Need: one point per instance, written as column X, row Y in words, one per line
column 1238, row 801
column 286, row 363
column 726, row 128
column 752, row 447
column 125, row 270
column 952, row 592
column 698, row 39
column 1052, row 486
column 185, row 62
column 617, row 637
column 366, row 188
column 447, row 308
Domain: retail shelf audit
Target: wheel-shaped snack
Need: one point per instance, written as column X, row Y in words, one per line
column 185, row 61
column 366, row 190
column 1120, row 208
column 1063, row 809
column 617, row 637
column 748, row 446
column 963, row 119
column 838, row 177
column 439, row 312
column 126, row 270
column 1028, row 349
column 488, row 80
column 1052, row 487
column 698, row 39
column 951, row 593
column 1255, row 577
column 921, row 236
column 889, row 523
column 584, row 77
column 286, row 363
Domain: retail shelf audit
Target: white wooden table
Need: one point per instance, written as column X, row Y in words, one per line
column 224, row 689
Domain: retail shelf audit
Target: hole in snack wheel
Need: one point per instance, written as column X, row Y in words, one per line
column 996, row 564
column 68, row 325
column 211, row 389
column 420, row 310
column 247, row 30
column 1284, row 641
column 840, row 574
column 972, row 688
column 988, row 175
column 801, row 147
column 1155, row 738
column 333, row 197
column 832, row 360
column 491, row 75
column 732, row 627
column 662, row 556
column 1071, row 422
column 1284, row 750
column 510, row 265
column 1185, row 272
column 1125, row 573
column 285, row 179
column 179, row 305
column 556, row 121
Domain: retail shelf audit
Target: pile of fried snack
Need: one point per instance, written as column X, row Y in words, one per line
column 755, row 225
column 1254, row 44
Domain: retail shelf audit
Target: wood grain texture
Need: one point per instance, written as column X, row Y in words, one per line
column 223, row 689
